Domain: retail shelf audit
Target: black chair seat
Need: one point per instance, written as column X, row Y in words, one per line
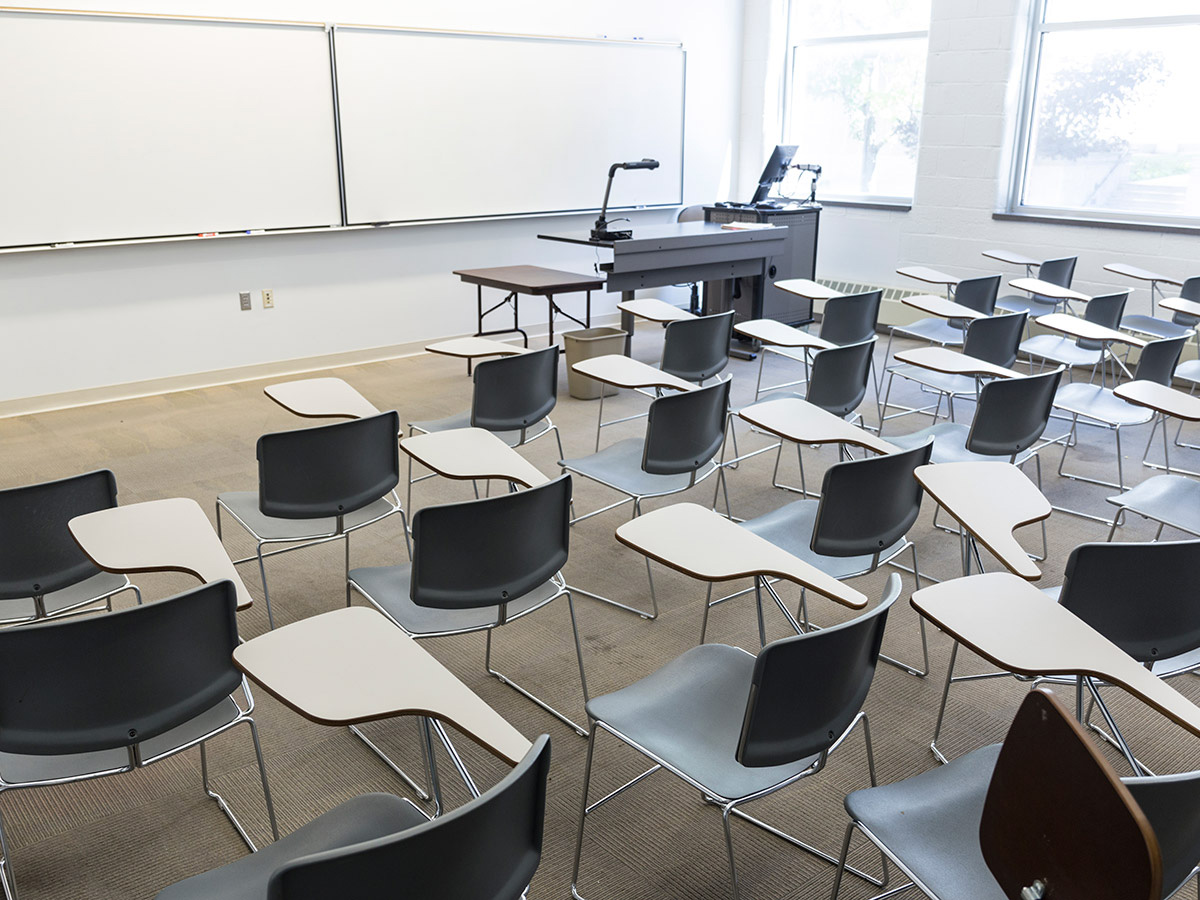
column 73, row 596
column 620, row 466
column 463, row 420
column 363, row 818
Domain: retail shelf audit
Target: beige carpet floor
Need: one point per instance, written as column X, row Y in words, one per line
column 129, row 836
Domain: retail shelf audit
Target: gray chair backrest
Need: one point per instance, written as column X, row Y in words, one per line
column 1058, row 271
column 1158, row 360
column 115, row 680
column 838, row 378
column 851, row 318
column 685, row 431
column 869, row 504
column 1141, row 596
column 691, row 214
column 978, row 293
column 515, row 392
column 1171, row 804
column 1105, row 310
column 487, row 849
column 330, row 470
column 1012, row 414
column 1189, row 291
column 807, row 689
column 995, row 339
column 697, row 349
column 37, row 553
column 490, row 551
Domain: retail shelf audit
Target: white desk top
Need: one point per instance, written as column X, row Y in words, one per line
column 1089, row 331
column 1014, row 625
column 941, row 307
column 321, row 398
column 1008, row 256
column 799, row 421
column 928, row 275
column 621, row 371
column 804, row 287
column 943, row 359
column 1047, row 289
column 769, row 331
column 1161, row 398
column 157, row 536
column 990, row 500
column 654, row 310
column 1139, row 273
column 1180, row 304
column 704, row 544
column 353, row 665
column 474, row 348
column 471, row 453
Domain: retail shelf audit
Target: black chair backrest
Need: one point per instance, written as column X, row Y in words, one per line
column 1012, row 413
column 1189, row 291
column 1171, row 804
column 869, row 504
column 488, row 552
column 978, row 293
column 851, row 318
column 37, row 553
column 696, row 349
column 1141, row 596
column 995, row 339
column 830, row 669
column 487, row 849
column 685, row 431
column 838, row 379
column 514, row 392
column 330, row 470
column 1158, row 360
column 1105, row 310
column 114, row 680
column 1058, row 271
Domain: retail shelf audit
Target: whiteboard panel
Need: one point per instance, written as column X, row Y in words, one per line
column 124, row 127
column 438, row 126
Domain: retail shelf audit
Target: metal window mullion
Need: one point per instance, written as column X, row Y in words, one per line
column 1032, row 64
column 863, row 38
column 1095, row 24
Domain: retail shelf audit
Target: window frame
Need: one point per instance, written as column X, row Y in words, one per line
column 1015, row 207
column 864, row 200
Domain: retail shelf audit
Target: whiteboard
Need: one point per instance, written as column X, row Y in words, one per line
column 441, row 126
column 134, row 127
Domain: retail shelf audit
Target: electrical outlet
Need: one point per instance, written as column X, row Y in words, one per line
column 268, row 298
column 244, row 300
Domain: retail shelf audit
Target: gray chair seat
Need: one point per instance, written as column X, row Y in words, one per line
column 1095, row 402
column 244, row 507
column 791, row 528
column 360, row 819
column 799, row 354
column 21, row 768
column 71, row 597
column 620, row 466
column 1060, row 350
column 1152, row 325
column 931, row 822
column 942, row 382
column 1173, row 499
column 1188, row 370
column 388, row 587
column 689, row 715
column 463, row 420
column 1024, row 303
column 949, row 444
column 934, row 330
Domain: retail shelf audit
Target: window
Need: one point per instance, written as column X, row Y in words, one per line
column 853, row 95
column 1108, row 129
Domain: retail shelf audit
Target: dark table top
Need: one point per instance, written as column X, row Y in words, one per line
column 531, row 279
column 678, row 233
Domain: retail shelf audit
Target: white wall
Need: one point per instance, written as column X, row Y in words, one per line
column 82, row 318
column 976, row 50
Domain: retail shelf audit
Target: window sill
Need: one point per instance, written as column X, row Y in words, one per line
column 1123, row 224
column 891, row 205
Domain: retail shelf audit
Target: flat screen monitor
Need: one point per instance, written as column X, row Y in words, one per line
column 774, row 171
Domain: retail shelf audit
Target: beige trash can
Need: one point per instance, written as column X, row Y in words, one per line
column 588, row 343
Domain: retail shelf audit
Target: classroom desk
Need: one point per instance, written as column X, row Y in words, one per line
column 930, row 276
column 990, row 500
column 798, row 421
column 1182, row 305
column 1012, row 624
column 321, row 398
column 1014, row 259
column 1089, row 331
column 171, row 535
column 624, row 372
column 470, row 454
column 654, row 310
column 679, row 253
column 473, row 348
column 1047, row 289
column 950, row 362
column 776, row 334
column 535, row 281
column 807, row 288
column 1141, row 274
column 704, row 544
column 941, row 307
column 1167, row 402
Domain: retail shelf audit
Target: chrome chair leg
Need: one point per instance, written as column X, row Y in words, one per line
column 583, row 812
column 905, row 667
column 8, row 879
column 387, row 760
column 504, row 679
column 224, row 806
